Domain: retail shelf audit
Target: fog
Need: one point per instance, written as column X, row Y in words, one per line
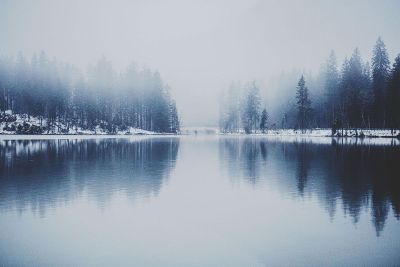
column 200, row 47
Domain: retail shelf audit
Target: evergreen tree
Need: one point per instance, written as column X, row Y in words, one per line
column 251, row 108
column 343, row 87
column 6, row 82
column 303, row 105
column 393, row 96
column 357, row 97
column 230, row 103
column 367, row 95
column 223, row 112
column 264, row 120
column 21, row 93
column 331, row 90
column 380, row 74
column 284, row 122
column 61, row 96
column 353, row 91
column 174, row 119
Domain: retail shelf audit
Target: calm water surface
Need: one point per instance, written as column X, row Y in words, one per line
column 199, row 201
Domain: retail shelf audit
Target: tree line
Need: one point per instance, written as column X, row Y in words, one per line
column 240, row 109
column 360, row 96
column 355, row 97
column 59, row 94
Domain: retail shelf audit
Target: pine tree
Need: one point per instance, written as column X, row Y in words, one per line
column 303, row 105
column 230, row 109
column 352, row 91
column 367, row 95
column 380, row 74
column 331, row 89
column 343, row 87
column 393, row 96
column 223, row 112
column 264, row 120
column 251, row 109
column 60, row 94
column 284, row 122
column 174, row 119
column 233, row 112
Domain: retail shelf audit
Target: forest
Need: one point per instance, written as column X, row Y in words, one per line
column 61, row 98
column 358, row 96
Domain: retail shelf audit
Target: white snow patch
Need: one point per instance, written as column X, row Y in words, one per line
column 14, row 121
column 326, row 133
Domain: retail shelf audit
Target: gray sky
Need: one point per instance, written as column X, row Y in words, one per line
column 199, row 47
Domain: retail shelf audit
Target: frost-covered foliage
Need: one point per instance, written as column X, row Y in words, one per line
column 22, row 124
column 63, row 100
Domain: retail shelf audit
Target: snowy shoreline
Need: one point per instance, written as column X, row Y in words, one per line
column 309, row 139
column 359, row 133
column 326, row 133
column 24, row 137
column 16, row 124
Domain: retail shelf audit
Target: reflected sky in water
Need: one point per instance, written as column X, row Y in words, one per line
column 199, row 201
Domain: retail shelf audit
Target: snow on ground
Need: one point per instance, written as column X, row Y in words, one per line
column 324, row 140
column 328, row 133
column 199, row 130
column 324, row 136
column 22, row 124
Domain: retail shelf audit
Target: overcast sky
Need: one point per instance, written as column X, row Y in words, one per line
column 199, row 47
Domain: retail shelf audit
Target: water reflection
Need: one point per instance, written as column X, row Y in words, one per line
column 39, row 174
column 354, row 176
column 244, row 156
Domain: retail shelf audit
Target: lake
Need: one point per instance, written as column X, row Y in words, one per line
column 199, row 201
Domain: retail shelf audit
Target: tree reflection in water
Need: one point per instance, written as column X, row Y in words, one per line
column 357, row 176
column 44, row 173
